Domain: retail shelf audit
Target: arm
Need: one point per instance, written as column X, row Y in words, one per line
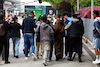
column 34, row 25
column 97, row 26
column 37, row 29
column 19, row 26
column 68, row 25
column 6, row 14
column 23, row 26
column 98, row 30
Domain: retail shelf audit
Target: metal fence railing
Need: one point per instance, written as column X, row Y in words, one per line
column 88, row 28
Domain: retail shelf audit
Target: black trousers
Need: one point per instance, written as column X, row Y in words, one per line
column 74, row 43
column 81, row 44
column 4, row 47
column 66, row 45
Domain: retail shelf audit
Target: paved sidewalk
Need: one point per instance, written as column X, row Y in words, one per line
column 21, row 62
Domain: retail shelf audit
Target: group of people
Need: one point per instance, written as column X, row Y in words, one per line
column 49, row 33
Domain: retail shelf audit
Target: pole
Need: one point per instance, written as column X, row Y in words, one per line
column 92, row 9
column 1, row 4
column 77, row 4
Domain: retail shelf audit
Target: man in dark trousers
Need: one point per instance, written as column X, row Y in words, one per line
column 28, row 31
column 74, row 31
column 66, row 21
column 3, row 38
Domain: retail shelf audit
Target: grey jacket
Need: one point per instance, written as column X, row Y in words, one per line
column 45, row 32
column 75, row 28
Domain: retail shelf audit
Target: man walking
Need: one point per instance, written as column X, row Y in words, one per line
column 4, row 27
column 28, row 31
column 45, row 32
column 66, row 21
column 74, row 31
column 96, row 34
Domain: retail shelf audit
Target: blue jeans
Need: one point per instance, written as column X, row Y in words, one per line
column 51, row 47
column 16, row 42
column 30, row 38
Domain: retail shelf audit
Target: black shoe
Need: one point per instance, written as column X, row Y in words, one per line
column 16, row 56
column 70, row 59
column 7, row 62
column 80, row 60
column 57, row 59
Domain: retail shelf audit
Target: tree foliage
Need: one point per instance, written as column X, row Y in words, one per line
column 87, row 3
column 62, row 5
column 83, row 3
column 53, row 2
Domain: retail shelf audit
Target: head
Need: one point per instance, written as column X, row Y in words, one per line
column 95, row 14
column 40, row 19
column 54, row 15
column 15, row 19
column 65, row 14
column 58, row 17
column 74, row 16
column 31, row 14
column 78, row 16
column 48, row 22
column 44, row 18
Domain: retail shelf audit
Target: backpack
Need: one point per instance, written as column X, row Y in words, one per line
column 2, row 29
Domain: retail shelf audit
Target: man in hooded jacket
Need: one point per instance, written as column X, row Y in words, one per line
column 75, row 30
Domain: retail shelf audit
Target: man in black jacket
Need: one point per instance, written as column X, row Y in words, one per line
column 3, row 39
column 15, row 34
column 75, row 32
column 28, row 31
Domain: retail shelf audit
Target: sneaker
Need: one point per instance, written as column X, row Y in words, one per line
column 34, row 57
column 96, row 62
column 26, row 58
column 65, row 57
column 57, row 59
column 73, row 55
column 45, row 63
column 28, row 55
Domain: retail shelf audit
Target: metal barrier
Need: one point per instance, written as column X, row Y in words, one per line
column 88, row 28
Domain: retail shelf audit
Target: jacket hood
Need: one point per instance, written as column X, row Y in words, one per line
column 97, row 19
column 44, row 25
column 75, row 20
